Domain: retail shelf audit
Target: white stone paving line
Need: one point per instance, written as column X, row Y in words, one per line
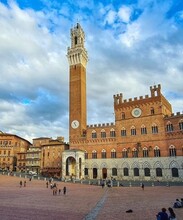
column 94, row 212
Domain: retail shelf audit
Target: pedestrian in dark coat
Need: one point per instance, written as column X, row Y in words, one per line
column 64, row 190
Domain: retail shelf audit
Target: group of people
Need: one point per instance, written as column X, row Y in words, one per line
column 171, row 216
column 164, row 216
column 55, row 189
column 178, row 203
column 22, row 183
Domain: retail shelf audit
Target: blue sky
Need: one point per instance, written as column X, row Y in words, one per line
column 131, row 45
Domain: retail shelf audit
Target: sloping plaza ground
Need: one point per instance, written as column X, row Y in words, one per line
column 83, row 202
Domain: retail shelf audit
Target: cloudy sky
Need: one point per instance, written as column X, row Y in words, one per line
column 131, row 44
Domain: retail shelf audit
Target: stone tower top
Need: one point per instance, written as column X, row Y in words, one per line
column 77, row 53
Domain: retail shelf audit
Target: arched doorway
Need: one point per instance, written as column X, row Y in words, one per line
column 104, row 173
column 71, row 167
column 94, row 173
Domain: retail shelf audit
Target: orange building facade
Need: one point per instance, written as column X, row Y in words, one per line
column 51, row 157
column 12, row 152
column 145, row 142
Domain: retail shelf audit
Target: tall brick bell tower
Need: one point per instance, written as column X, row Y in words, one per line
column 77, row 57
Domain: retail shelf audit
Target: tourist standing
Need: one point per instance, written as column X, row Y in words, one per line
column 64, row 190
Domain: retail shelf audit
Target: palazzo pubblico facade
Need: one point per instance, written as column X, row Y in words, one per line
column 145, row 142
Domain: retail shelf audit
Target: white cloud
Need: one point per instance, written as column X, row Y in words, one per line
column 125, row 58
column 32, row 57
column 110, row 17
column 124, row 13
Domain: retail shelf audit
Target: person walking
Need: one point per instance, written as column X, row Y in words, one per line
column 20, row 183
column 64, row 190
column 172, row 215
column 142, row 185
column 25, row 183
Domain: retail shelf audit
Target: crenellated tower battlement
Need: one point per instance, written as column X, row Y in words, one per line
column 174, row 115
column 155, row 92
column 100, row 125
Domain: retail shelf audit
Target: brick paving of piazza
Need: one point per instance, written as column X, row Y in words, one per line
column 83, row 202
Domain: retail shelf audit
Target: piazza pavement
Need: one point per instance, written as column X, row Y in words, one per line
column 82, row 201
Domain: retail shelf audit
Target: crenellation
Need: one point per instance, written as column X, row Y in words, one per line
column 155, row 90
column 100, row 125
column 173, row 115
column 118, row 99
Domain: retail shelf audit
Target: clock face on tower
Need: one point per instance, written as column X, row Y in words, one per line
column 136, row 112
column 75, row 124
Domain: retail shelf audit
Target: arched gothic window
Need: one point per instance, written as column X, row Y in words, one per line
column 114, row 172
column 125, row 153
column 145, row 152
column 157, row 152
column 123, row 115
column 172, row 151
column 94, row 154
column 94, row 134
column 175, row 172
column 159, row 172
column 147, row 171
column 112, row 133
column 103, row 133
column 143, row 129
column 126, row 171
column 134, row 152
column 133, row 131
column 113, row 153
column 169, row 127
column 86, row 155
column 103, row 154
column 136, row 171
column 154, row 129
column 123, row 132
column 152, row 111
